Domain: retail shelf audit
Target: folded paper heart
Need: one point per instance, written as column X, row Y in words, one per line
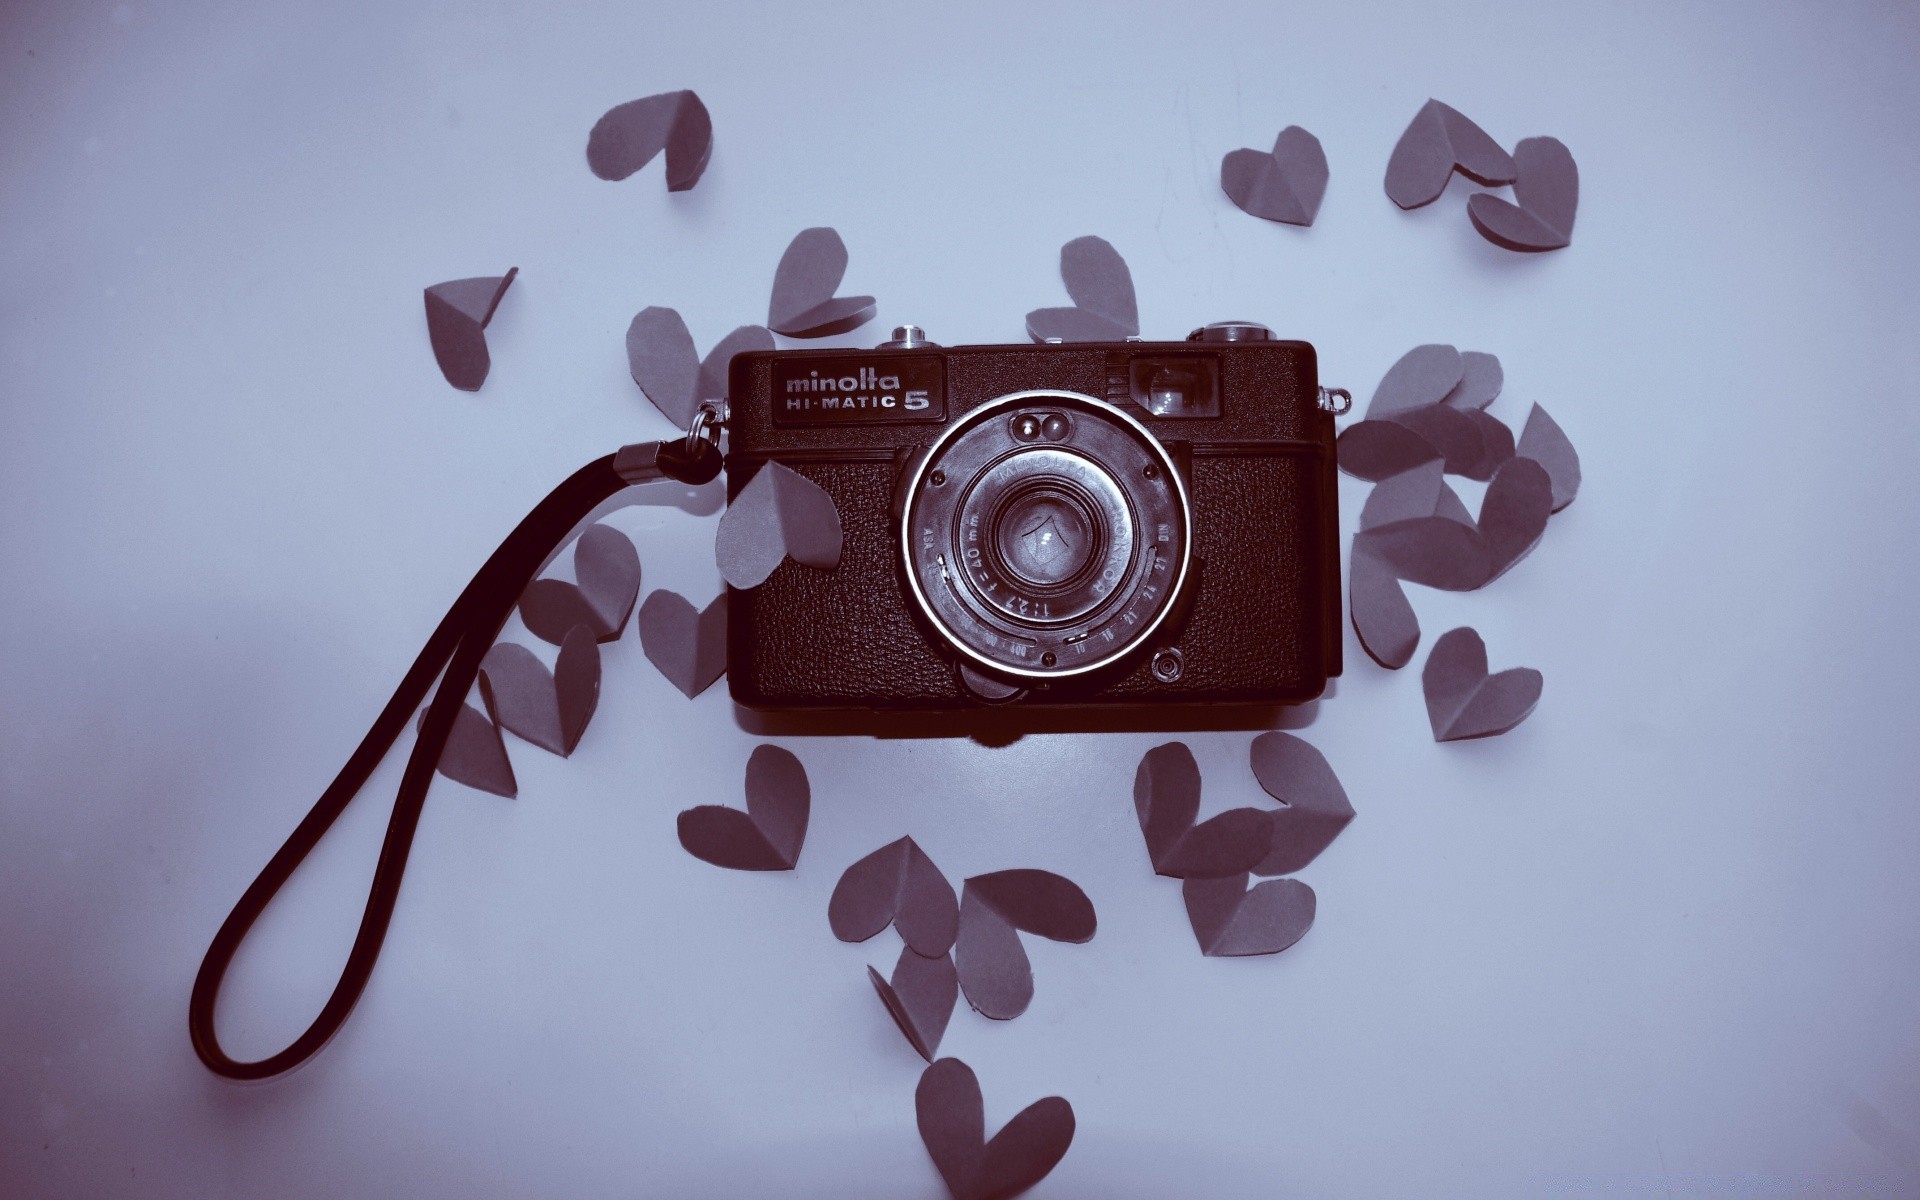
column 607, row 572
column 548, row 708
column 1420, row 491
column 1480, row 380
column 1101, row 287
column 920, row 997
column 1376, row 449
column 779, row 514
column 1547, row 186
column 1441, row 552
column 458, row 312
column 803, row 303
column 1436, row 143
column 663, row 362
column 1424, row 376
column 994, row 970
column 629, row 135
column 1543, row 441
column 1166, row 799
column 1463, row 701
column 1231, row 921
column 1285, row 184
column 896, row 885
column 1382, row 616
column 687, row 645
column 766, row 837
column 1296, row 774
column 952, row 1119
column 475, row 754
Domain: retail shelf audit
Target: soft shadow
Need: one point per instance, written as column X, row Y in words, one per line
column 1005, row 726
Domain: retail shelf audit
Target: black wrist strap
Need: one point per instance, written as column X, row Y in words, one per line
column 452, row 655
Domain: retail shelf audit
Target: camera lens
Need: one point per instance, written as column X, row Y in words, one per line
column 1044, row 537
column 1058, row 541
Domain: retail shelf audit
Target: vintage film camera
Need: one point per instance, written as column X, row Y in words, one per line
column 1089, row 524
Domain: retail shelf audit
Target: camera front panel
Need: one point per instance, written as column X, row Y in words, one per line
column 1256, row 622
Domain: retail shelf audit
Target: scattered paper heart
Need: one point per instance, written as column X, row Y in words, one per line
column 475, row 754
column 1422, row 377
column 1437, row 142
column 1547, row 185
column 606, row 568
column 804, row 304
column 952, row 1119
column 1543, row 442
column 687, row 645
column 548, row 708
column 779, row 514
column 629, row 135
column 994, row 970
column 1231, row 921
column 1463, row 701
column 1514, row 513
column 1480, row 381
column 1382, row 616
column 896, row 885
column 920, row 997
column 458, row 312
column 1166, row 799
column 1101, row 287
column 1285, row 184
column 1294, row 772
column 663, row 361
column 1436, row 551
column 768, row 836
column 1376, row 449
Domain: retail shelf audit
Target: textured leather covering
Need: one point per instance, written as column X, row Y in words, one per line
column 1263, row 625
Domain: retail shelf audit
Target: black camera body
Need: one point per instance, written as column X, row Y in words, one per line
column 1086, row 524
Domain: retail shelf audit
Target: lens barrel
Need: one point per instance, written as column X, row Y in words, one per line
column 1045, row 534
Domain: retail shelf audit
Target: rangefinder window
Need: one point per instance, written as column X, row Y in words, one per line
column 1177, row 385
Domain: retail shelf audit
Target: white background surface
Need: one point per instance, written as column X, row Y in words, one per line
column 1662, row 940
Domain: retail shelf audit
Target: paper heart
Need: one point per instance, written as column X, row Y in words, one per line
column 1437, row 142
column 687, row 645
column 896, row 885
column 779, row 514
column 1230, row 921
column 1166, row 798
column 1419, row 492
column 458, row 312
column 920, row 997
column 1285, row 184
column 1514, row 513
column 993, row 966
column 548, row 708
column 1295, row 773
column 1423, row 376
column 607, row 570
column 1101, row 287
column 1383, row 618
column 803, row 303
column 766, row 837
column 475, row 754
column 1480, row 381
column 1453, row 433
column 1543, row 441
column 952, row 1118
column 1377, row 449
column 1436, row 551
column 663, row 361
column 628, row 136
column 1547, row 185
column 1463, row 701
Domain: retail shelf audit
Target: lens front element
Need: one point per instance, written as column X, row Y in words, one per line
column 1045, row 534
